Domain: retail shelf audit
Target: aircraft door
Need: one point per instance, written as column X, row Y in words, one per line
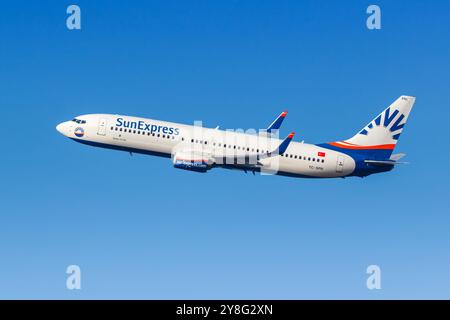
column 340, row 164
column 101, row 127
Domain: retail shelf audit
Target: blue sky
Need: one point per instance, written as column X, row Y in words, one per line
column 140, row 229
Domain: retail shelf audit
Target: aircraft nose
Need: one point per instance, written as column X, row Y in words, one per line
column 60, row 128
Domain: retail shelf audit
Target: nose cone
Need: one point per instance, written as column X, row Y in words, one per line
column 60, row 128
column 64, row 128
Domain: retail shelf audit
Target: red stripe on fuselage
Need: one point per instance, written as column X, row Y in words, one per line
column 355, row 147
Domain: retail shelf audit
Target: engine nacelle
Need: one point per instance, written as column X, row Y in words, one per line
column 191, row 161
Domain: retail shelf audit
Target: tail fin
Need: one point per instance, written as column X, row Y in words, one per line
column 386, row 128
column 382, row 133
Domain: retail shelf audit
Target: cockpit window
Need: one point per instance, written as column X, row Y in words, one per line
column 79, row 121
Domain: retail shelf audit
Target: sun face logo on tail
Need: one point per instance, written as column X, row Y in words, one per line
column 386, row 120
column 386, row 128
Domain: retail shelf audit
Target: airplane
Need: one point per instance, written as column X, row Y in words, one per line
column 200, row 149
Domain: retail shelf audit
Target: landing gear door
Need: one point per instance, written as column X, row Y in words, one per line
column 101, row 127
column 340, row 164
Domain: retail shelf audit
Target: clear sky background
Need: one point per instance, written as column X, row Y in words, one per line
column 139, row 228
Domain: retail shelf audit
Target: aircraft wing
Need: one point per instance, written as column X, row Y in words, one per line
column 282, row 147
column 393, row 160
column 202, row 159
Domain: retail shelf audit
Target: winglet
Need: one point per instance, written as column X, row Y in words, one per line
column 276, row 124
column 284, row 145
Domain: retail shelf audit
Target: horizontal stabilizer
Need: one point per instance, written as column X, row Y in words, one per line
column 383, row 163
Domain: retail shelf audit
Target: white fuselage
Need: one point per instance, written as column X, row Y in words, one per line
column 169, row 139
